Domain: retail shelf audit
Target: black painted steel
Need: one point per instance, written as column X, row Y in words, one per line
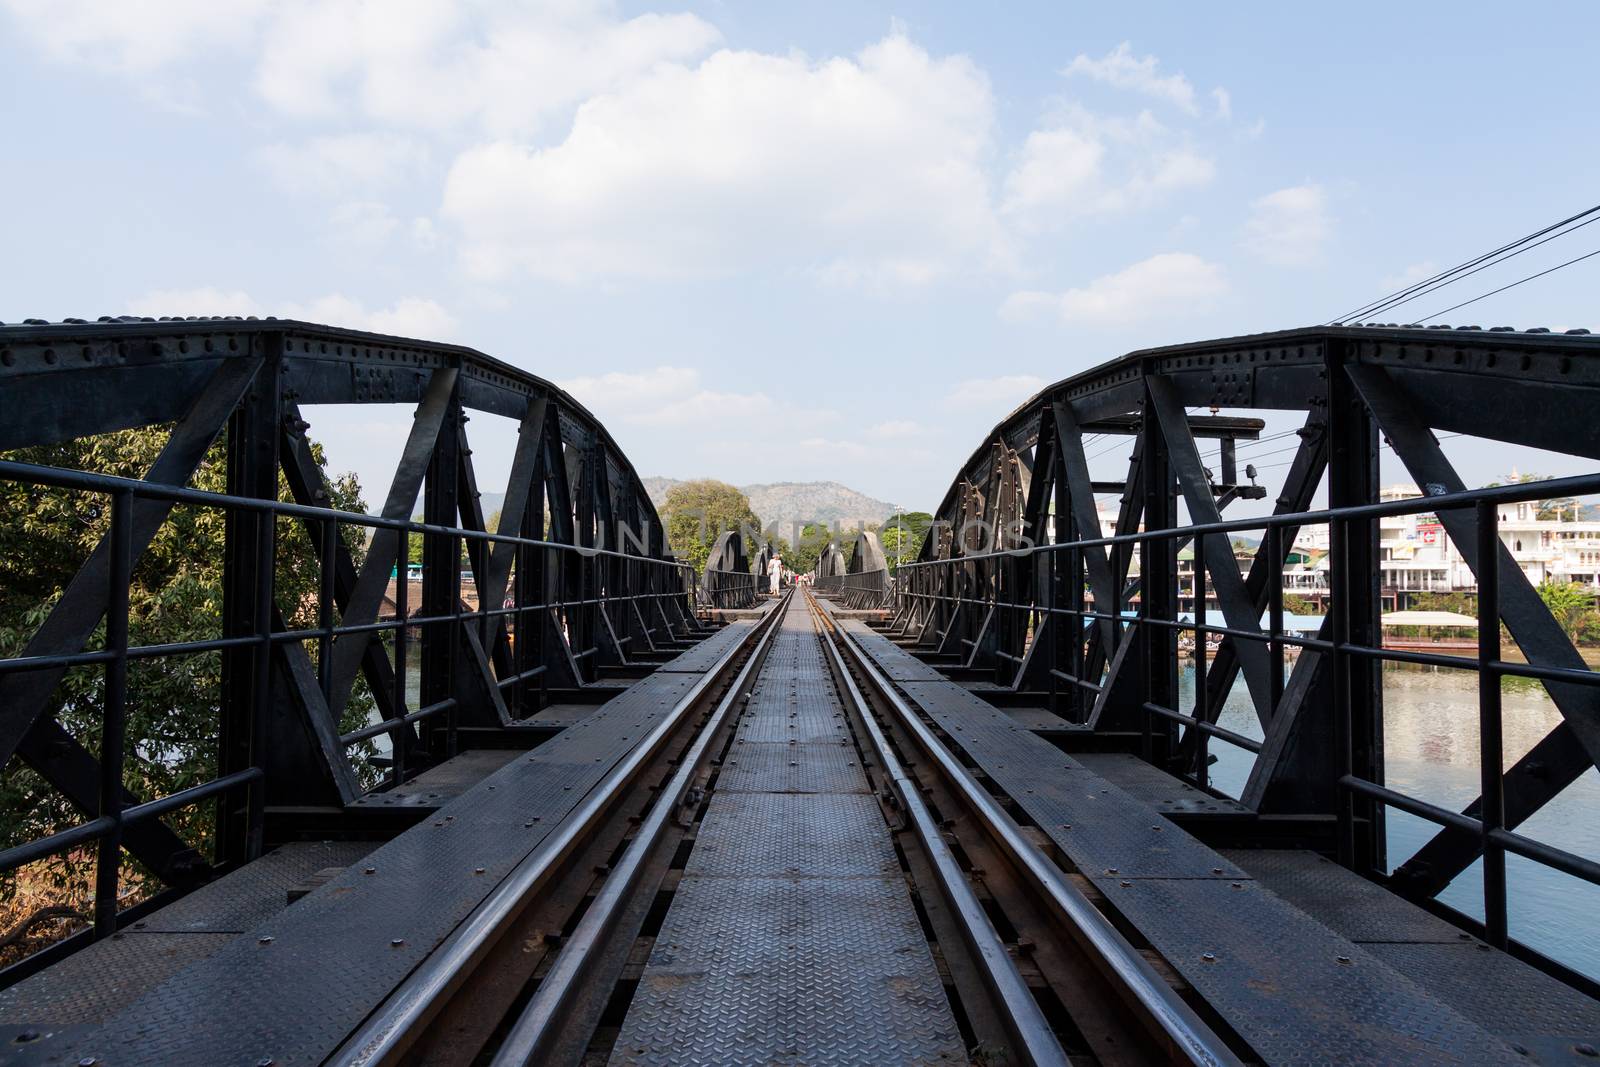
column 1054, row 613
column 583, row 583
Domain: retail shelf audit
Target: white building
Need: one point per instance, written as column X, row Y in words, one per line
column 1417, row 556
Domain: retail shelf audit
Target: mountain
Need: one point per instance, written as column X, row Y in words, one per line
column 790, row 503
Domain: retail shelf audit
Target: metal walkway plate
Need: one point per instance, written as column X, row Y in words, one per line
column 699, row 659
column 1504, row 995
column 96, row 982
column 1274, row 973
column 295, row 985
column 1166, row 793
column 436, row 785
column 791, row 938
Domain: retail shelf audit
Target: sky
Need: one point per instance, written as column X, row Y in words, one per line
column 831, row 241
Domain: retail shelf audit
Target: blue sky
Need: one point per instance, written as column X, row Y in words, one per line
column 785, row 242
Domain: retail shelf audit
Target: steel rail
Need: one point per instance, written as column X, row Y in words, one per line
column 543, row 1021
column 1033, row 1040
column 392, row 1029
column 1130, row 974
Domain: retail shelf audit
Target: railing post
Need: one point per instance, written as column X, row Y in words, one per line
column 1157, row 588
column 1358, row 680
column 114, row 721
column 1202, row 710
column 247, row 590
column 1491, row 753
column 441, row 587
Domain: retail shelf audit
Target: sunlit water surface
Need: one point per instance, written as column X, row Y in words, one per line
column 1430, row 741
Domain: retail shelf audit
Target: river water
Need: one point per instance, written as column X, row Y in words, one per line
column 1431, row 752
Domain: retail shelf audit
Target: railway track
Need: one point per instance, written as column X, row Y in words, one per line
column 793, row 868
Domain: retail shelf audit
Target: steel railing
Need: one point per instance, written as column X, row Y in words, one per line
column 931, row 592
column 573, row 579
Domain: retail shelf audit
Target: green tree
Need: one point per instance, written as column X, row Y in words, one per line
column 172, row 709
column 902, row 537
column 1569, row 602
column 696, row 513
column 803, row 554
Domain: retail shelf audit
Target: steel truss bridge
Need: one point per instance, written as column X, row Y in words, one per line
column 622, row 812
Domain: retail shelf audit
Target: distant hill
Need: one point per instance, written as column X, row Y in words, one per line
column 789, row 503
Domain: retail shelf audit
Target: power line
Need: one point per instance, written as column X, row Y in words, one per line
column 1408, row 291
column 1512, row 285
column 1492, row 263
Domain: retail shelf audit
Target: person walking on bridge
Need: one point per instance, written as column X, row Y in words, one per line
column 774, row 573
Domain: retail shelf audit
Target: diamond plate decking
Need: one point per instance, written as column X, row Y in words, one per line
column 294, row 986
column 1293, row 988
column 791, row 938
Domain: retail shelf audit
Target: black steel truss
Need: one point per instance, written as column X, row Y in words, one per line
column 1043, row 603
column 575, row 581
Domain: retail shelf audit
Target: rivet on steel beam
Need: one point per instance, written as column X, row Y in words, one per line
column 397, row 942
column 1342, row 959
column 264, row 939
column 369, row 870
column 1208, row 957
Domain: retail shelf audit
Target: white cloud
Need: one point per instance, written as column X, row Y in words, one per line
column 1084, row 164
column 866, row 169
column 133, row 38
column 414, row 317
column 1290, row 226
column 344, row 163
column 678, row 397
column 410, row 317
column 504, row 66
column 1121, row 69
column 361, row 222
column 206, row 300
column 1163, row 285
column 895, row 428
column 1223, row 101
column 1413, row 274
column 1001, row 394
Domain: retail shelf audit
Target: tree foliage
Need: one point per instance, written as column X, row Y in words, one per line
column 696, row 513
column 173, row 702
column 1569, row 602
column 902, row 537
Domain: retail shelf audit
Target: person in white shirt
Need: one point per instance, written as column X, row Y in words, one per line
column 774, row 574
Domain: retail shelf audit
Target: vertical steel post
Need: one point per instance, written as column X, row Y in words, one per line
column 1201, row 705
column 114, row 721
column 1491, row 750
column 1352, row 481
column 254, row 443
column 1158, row 580
column 398, row 739
column 1274, row 550
column 1340, row 584
column 325, row 598
column 441, row 585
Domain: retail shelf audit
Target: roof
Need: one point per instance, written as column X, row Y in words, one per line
column 1428, row 618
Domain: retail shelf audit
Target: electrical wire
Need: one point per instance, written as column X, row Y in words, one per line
column 1512, row 285
column 1486, row 266
column 1454, row 273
